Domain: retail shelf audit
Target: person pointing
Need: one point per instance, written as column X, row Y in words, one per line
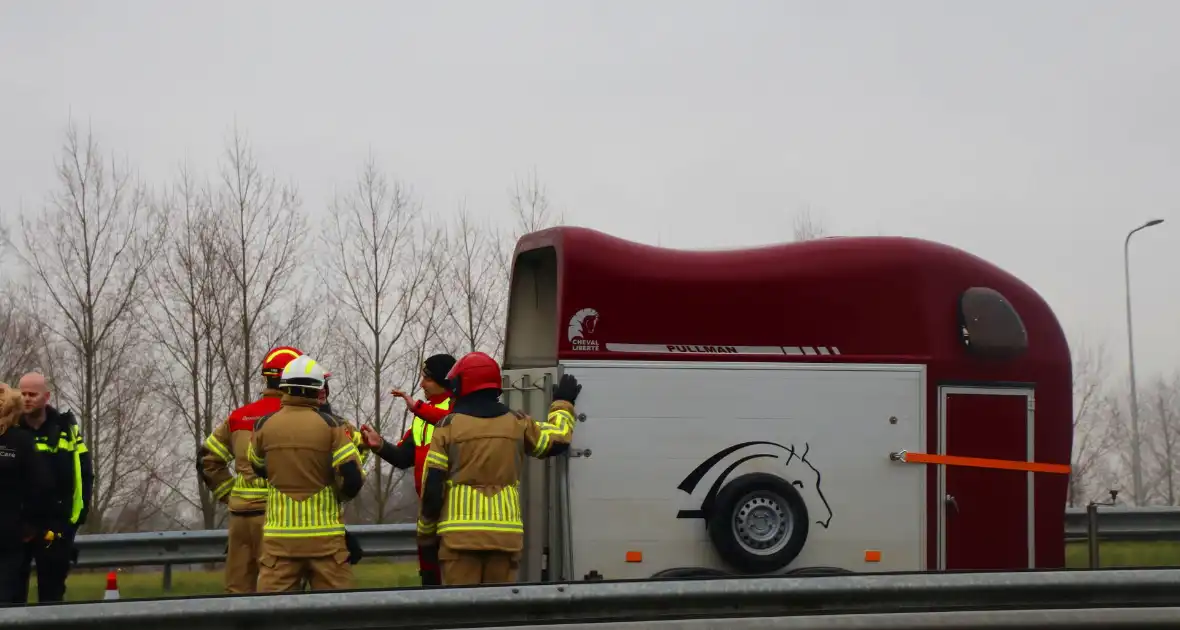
column 411, row 450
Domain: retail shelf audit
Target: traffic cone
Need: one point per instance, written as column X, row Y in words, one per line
column 112, row 586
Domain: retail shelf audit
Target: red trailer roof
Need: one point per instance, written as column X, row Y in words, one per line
column 834, row 299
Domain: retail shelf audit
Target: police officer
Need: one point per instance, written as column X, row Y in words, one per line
column 312, row 464
column 470, row 510
column 26, row 494
column 59, row 443
column 225, row 470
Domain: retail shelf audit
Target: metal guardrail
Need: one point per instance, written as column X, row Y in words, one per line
column 1126, row 524
column 190, row 547
column 1050, row 599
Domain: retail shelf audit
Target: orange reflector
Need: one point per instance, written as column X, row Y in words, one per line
column 980, row 462
column 872, row 555
column 634, row 556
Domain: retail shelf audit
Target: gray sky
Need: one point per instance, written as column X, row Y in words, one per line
column 1034, row 134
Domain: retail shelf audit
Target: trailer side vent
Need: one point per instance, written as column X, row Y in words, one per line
column 990, row 326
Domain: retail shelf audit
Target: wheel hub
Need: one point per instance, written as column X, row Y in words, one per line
column 762, row 524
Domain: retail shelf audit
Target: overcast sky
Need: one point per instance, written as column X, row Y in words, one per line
column 1032, row 133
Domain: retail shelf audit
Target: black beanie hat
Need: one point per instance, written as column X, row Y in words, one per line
column 437, row 367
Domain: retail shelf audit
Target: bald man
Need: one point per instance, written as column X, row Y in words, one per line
column 59, row 441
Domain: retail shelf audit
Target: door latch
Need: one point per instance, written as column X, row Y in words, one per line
column 951, row 502
column 579, row 452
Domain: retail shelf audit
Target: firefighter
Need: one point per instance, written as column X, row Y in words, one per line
column 59, row 443
column 470, row 514
column 222, row 455
column 312, row 465
column 26, row 492
column 415, row 443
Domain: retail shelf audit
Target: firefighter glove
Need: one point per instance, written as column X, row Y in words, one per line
column 567, row 389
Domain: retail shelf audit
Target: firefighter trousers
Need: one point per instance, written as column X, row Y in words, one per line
column 464, row 567
column 243, row 551
column 322, row 573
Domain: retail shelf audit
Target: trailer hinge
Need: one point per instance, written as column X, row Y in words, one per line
column 1032, row 403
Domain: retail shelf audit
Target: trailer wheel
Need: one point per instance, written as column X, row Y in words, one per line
column 758, row 523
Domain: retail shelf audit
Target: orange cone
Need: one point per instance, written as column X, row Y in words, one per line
column 112, row 586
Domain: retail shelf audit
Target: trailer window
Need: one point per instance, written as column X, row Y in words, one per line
column 989, row 325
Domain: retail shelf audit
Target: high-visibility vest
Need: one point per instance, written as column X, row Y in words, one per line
column 423, row 431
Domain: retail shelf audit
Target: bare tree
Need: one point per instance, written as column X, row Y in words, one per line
column 807, row 227
column 1094, row 429
column 187, row 323
column 22, row 337
column 378, row 274
column 262, row 230
column 474, row 290
column 529, row 199
column 90, row 249
column 1162, row 423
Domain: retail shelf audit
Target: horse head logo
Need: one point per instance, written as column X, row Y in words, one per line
column 583, row 324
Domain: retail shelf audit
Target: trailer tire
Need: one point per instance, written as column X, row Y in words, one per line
column 690, row 572
column 777, row 506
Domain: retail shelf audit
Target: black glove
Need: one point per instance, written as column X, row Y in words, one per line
column 567, row 389
column 355, row 553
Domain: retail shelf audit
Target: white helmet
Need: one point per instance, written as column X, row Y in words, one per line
column 303, row 371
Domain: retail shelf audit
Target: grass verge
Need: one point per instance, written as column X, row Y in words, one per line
column 88, row 586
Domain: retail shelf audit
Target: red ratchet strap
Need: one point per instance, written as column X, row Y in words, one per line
column 979, row 462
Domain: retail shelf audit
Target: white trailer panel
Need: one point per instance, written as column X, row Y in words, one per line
column 649, row 425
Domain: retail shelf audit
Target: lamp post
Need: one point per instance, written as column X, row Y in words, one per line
column 1136, row 462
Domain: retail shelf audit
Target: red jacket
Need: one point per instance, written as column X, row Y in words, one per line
column 407, row 452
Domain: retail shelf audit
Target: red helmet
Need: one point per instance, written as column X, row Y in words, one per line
column 277, row 359
column 475, row 371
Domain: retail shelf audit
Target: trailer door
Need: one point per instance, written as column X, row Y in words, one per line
column 986, row 514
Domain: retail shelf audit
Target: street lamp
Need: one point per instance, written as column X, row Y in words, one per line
column 1136, row 462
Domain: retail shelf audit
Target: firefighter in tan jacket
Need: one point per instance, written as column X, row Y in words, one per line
column 312, row 465
column 227, row 473
column 470, row 513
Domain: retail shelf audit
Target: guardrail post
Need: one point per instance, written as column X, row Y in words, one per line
column 167, row 578
column 1092, row 533
column 1092, row 527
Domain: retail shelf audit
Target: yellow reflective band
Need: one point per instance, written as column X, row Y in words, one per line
column 310, row 364
column 344, row 452
column 438, row 460
column 426, row 529
column 480, row 526
column 471, row 509
column 217, row 448
column 316, row 515
column 76, row 510
column 223, row 489
column 250, row 489
column 271, row 357
column 253, row 457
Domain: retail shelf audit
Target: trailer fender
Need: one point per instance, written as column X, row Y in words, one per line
column 758, row 523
